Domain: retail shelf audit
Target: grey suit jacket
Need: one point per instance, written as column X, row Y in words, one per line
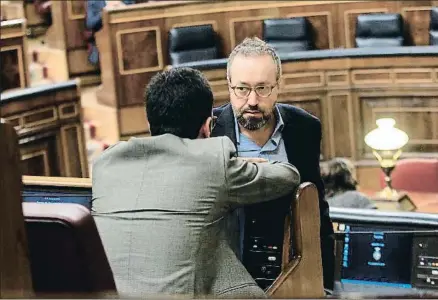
column 159, row 204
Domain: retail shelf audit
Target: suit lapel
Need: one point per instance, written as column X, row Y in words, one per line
column 225, row 125
column 288, row 133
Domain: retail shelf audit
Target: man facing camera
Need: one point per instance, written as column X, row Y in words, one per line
column 259, row 127
column 159, row 201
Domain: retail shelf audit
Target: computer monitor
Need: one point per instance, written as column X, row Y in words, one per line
column 57, row 190
column 376, row 255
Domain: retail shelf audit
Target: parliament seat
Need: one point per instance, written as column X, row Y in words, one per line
column 379, row 30
column 433, row 29
column 66, row 253
column 415, row 174
column 288, row 35
column 193, row 43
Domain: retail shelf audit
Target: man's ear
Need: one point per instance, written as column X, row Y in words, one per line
column 204, row 132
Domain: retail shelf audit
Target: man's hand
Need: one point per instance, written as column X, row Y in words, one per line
column 254, row 159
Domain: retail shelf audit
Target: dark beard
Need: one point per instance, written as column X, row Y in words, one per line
column 253, row 123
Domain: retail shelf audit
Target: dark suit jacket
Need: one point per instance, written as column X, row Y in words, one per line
column 302, row 140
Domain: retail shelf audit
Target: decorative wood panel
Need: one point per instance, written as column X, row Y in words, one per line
column 39, row 157
column 372, row 76
column 12, row 68
column 68, row 110
column 416, row 115
column 303, row 80
column 322, row 28
column 240, row 28
column 350, row 19
column 48, row 124
column 133, row 120
column 76, row 10
column 213, row 23
column 419, row 75
column 337, row 78
column 220, row 90
column 139, row 50
column 417, row 22
column 73, row 150
column 341, row 131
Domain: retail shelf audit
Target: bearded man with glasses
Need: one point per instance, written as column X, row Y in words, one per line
column 261, row 127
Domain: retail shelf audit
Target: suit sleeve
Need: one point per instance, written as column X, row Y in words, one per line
column 326, row 226
column 248, row 183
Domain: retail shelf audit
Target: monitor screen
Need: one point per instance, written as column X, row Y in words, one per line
column 55, row 194
column 376, row 256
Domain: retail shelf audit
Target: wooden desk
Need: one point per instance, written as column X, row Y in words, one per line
column 48, row 122
column 425, row 202
column 13, row 59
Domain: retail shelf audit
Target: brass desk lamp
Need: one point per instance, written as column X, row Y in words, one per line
column 387, row 142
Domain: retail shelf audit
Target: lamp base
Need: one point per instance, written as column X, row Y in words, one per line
column 389, row 194
column 390, row 199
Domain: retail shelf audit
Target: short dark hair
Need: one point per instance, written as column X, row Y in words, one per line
column 178, row 101
column 338, row 177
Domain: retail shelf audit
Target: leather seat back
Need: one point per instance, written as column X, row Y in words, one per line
column 192, row 43
column 288, row 35
column 379, row 30
column 415, row 175
column 66, row 253
column 433, row 29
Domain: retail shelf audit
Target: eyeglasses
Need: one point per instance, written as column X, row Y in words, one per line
column 212, row 122
column 263, row 91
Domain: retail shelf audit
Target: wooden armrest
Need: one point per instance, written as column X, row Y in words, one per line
column 301, row 276
column 16, row 280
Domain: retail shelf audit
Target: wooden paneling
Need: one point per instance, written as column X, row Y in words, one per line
column 417, row 22
column 49, row 127
column 133, row 45
column 341, row 129
column 134, row 42
column 416, row 114
column 13, row 62
column 11, row 10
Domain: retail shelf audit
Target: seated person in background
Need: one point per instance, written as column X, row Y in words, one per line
column 44, row 9
column 341, row 185
column 93, row 23
column 159, row 201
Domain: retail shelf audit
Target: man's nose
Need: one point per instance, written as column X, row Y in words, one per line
column 252, row 98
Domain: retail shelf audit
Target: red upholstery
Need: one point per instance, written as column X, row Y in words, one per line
column 66, row 253
column 415, row 174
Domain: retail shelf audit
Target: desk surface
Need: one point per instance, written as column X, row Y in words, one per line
column 425, row 202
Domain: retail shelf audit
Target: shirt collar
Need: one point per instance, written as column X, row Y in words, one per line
column 278, row 127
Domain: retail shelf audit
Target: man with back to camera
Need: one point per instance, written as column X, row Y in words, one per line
column 259, row 127
column 159, row 201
